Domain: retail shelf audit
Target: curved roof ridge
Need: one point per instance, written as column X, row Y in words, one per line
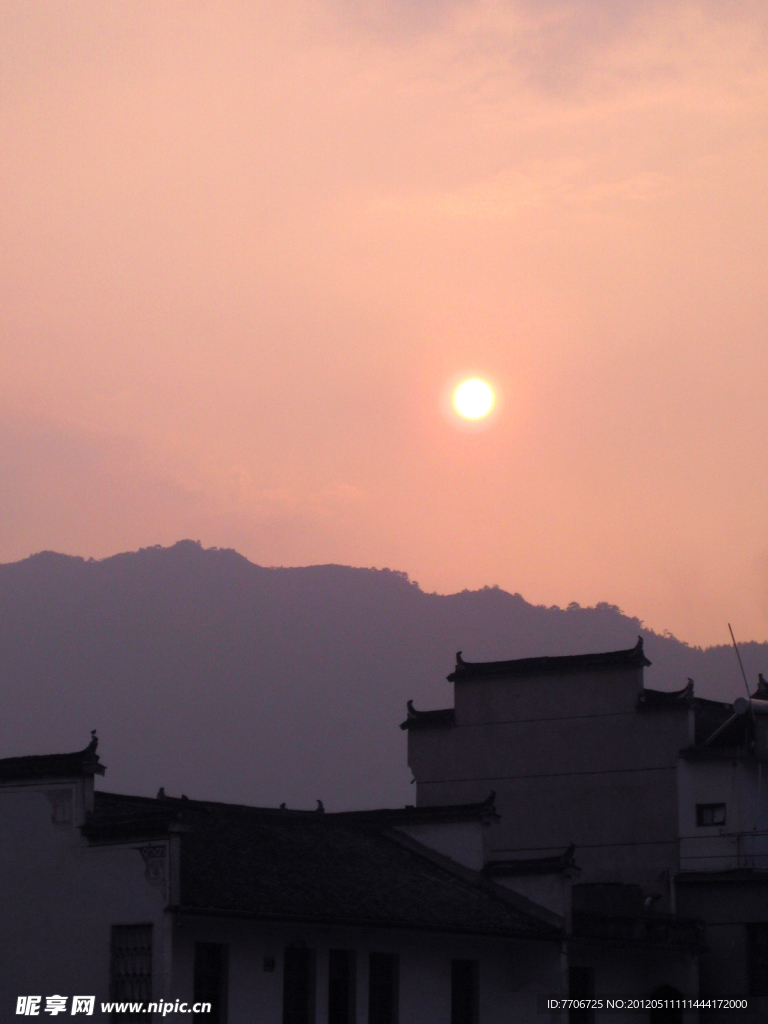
column 40, row 766
column 483, row 810
column 668, row 697
column 634, row 657
column 424, row 719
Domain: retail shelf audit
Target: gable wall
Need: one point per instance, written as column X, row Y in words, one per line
column 59, row 899
column 572, row 760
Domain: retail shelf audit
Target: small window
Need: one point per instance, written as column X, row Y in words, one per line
column 383, row 988
column 61, row 806
column 341, row 986
column 710, row 814
column 210, row 981
column 464, row 992
column 130, row 968
column 299, row 985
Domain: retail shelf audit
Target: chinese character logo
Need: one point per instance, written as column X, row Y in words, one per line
column 29, row 1006
column 83, row 1004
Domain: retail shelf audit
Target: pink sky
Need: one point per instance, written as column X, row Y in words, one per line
column 247, row 246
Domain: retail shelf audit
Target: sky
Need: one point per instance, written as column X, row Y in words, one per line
column 249, row 248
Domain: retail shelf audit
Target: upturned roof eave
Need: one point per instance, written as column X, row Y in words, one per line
column 633, row 657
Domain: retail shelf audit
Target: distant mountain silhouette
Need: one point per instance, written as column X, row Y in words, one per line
column 231, row 681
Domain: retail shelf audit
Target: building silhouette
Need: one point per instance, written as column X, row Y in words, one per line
column 266, row 914
column 575, row 834
column 639, row 815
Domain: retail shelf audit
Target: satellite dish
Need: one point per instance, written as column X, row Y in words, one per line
column 741, row 706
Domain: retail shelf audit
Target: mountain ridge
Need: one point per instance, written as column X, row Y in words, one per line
column 206, row 672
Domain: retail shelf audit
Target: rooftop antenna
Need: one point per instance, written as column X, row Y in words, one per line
column 754, row 723
column 741, row 666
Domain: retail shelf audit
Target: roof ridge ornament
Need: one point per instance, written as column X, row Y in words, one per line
column 667, row 697
column 418, row 719
column 630, row 658
column 35, row 766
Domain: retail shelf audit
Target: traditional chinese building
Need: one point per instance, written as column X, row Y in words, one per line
column 723, row 876
column 269, row 915
column 660, row 798
column 574, row 832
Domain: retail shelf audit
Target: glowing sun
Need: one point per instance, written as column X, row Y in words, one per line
column 473, row 399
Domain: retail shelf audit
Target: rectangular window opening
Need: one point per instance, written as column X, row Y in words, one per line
column 341, row 986
column 299, row 985
column 464, row 992
column 211, row 981
column 130, row 967
column 710, row 814
column 383, row 988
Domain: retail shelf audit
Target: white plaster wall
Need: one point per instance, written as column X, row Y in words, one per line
column 462, row 841
column 572, row 760
column 548, row 746
column 512, row 974
column 59, row 899
column 550, row 891
column 529, row 698
column 742, row 785
column 624, row 824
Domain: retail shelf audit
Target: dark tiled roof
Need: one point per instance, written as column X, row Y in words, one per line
column 735, row 731
column 532, row 866
column 118, row 818
column 719, row 732
column 410, row 815
column 717, row 727
column 709, row 716
column 632, row 658
column 428, row 719
column 311, row 867
column 667, row 698
column 54, row 766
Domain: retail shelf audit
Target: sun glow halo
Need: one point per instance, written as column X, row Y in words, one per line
column 473, row 399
